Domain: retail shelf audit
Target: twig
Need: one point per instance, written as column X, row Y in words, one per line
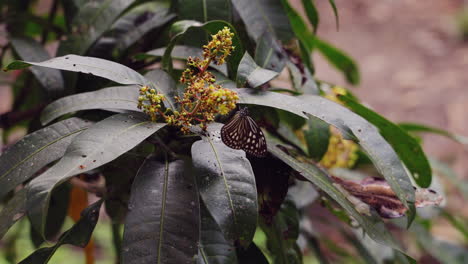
column 9, row 119
column 50, row 20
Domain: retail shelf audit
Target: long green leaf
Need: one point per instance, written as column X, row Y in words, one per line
column 78, row 235
column 412, row 127
column 351, row 126
column 335, row 11
column 103, row 68
column 180, row 28
column 250, row 74
column 93, row 19
column 31, row 50
column 227, row 186
column 269, row 54
column 205, row 10
column 312, row 13
column 373, row 226
column 339, row 59
column 118, row 97
column 162, row 223
column 264, row 15
column 100, row 144
column 299, row 26
column 12, row 211
column 19, row 163
column 407, row 148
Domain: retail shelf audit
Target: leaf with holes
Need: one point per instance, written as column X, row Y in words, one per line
column 100, row 144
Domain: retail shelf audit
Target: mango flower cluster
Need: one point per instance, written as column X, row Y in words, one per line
column 202, row 99
column 341, row 153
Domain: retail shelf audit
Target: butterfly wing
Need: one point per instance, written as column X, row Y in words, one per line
column 232, row 134
column 254, row 141
column 243, row 133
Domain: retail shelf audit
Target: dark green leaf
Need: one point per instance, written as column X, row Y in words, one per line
column 117, row 97
column 100, row 144
column 213, row 247
column 31, row 50
column 107, row 69
column 136, row 32
column 12, row 211
column 227, row 186
column 299, row 26
column 335, row 11
column 373, row 226
column 412, row 127
column 406, row 147
column 264, row 15
column 205, row 10
column 180, row 28
column 93, row 19
column 251, row 255
column 78, row 235
column 317, row 137
column 36, row 150
column 339, row 59
column 312, row 13
column 351, row 126
column 269, row 53
column 282, row 235
column 162, row 224
column 58, row 210
column 252, row 75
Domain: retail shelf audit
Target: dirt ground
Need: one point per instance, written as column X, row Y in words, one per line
column 414, row 65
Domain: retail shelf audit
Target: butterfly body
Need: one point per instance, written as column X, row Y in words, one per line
column 241, row 132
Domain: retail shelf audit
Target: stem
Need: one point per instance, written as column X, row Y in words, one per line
column 50, row 20
column 117, row 241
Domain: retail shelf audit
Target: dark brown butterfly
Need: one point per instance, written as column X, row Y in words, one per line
column 241, row 132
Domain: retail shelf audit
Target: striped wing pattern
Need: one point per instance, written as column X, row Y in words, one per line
column 241, row 132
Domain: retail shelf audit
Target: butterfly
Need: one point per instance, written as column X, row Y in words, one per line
column 241, row 132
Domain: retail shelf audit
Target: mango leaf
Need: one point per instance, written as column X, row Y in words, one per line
column 103, row 68
column 162, row 225
column 407, row 148
column 78, row 235
column 299, row 26
column 136, row 32
column 373, row 226
column 227, row 186
column 339, row 59
column 264, row 15
column 180, row 28
column 317, row 137
column 335, row 11
column 117, row 97
column 205, row 10
column 100, row 144
column 251, row 255
column 13, row 211
column 312, row 13
column 269, row 54
column 93, row 19
column 30, row 50
column 34, row 151
column 252, row 75
column 213, row 247
column 351, row 126
column 282, row 235
column 182, row 52
column 412, row 127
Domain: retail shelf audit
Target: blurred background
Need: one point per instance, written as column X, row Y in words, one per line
column 413, row 58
